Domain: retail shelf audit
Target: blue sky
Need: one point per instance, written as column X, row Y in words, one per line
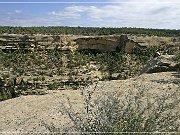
column 111, row 13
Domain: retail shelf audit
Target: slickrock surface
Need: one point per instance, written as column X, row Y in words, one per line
column 28, row 113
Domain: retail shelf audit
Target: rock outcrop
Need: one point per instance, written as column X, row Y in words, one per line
column 162, row 63
column 109, row 43
column 101, row 43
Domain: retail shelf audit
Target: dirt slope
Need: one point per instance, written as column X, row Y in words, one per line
column 28, row 113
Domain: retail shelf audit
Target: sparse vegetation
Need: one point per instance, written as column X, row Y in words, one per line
column 7, row 91
column 112, row 62
column 135, row 112
column 4, row 95
column 58, row 63
column 177, row 59
column 177, row 56
column 53, row 86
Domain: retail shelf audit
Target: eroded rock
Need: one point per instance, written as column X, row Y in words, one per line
column 110, row 43
column 162, row 63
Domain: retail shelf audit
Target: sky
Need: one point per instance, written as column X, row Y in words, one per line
column 92, row 13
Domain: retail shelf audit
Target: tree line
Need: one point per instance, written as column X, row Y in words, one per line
column 88, row 30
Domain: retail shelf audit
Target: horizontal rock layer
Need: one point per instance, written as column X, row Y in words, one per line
column 109, row 43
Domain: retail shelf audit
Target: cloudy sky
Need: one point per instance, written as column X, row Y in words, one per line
column 98, row 13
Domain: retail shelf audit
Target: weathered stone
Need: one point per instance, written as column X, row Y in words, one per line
column 110, row 43
column 34, row 92
column 115, row 75
column 130, row 46
column 101, row 43
column 162, row 63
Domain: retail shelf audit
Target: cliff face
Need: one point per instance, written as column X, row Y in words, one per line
column 97, row 43
column 109, row 43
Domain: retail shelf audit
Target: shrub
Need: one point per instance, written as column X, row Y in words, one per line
column 7, row 90
column 53, row 86
column 7, row 94
column 177, row 56
column 134, row 113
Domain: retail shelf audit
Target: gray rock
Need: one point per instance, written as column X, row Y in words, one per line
column 34, row 92
column 162, row 63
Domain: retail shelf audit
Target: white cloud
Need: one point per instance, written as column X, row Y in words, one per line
column 12, row 12
column 130, row 13
column 123, row 13
column 37, row 21
column 75, row 12
column 65, row 15
column 17, row 11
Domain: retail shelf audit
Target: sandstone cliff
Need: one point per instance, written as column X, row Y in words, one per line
column 109, row 43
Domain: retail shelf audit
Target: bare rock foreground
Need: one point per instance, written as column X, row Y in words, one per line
column 28, row 113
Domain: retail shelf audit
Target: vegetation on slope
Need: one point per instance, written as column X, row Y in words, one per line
column 50, row 63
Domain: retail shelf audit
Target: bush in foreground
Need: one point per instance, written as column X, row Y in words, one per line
column 133, row 113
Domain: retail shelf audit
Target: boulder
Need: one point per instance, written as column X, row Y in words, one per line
column 130, row 46
column 162, row 63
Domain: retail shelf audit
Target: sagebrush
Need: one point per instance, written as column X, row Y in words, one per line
column 140, row 112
